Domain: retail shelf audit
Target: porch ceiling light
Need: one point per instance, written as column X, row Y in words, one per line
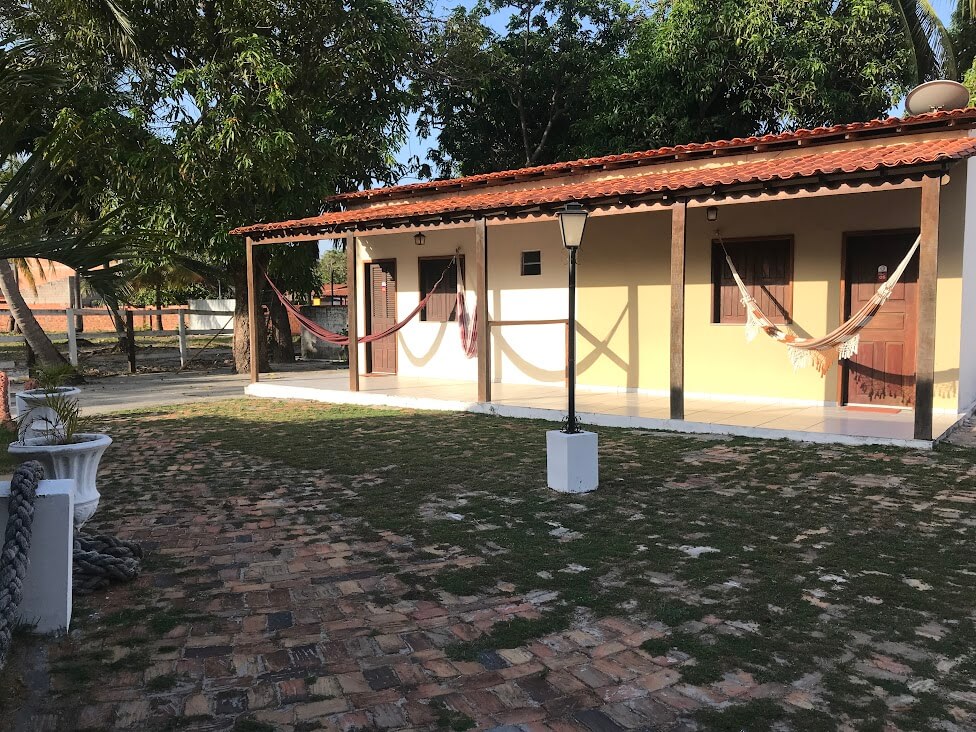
column 572, row 221
column 420, row 238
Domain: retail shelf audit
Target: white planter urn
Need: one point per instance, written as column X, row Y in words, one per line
column 77, row 461
column 34, row 402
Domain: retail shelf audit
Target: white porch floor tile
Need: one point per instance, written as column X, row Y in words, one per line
column 619, row 407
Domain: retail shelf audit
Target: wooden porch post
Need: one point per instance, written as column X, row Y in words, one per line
column 928, row 280
column 252, row 310
column 678, row 214
column 481, row 301
column 352, row 311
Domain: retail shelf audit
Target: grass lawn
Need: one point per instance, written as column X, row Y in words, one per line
column 845, row 574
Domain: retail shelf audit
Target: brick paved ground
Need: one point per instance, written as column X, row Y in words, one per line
column 263, row 608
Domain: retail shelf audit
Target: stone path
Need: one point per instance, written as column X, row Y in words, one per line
column 263, row 608
column 299, row 627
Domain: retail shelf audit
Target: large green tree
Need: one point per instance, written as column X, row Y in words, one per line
column 267, row 107
column 568, row 78
column 509, row 99
column 698, row 71
column 244, row 111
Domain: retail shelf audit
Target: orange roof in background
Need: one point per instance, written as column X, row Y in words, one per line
column 463, row 205
column 337, row 290
column 738, row 145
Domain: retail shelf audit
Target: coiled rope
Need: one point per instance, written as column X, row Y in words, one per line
column 16, row 544
column 100, row 560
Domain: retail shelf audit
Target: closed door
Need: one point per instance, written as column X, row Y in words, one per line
column 883, row 371
column 381, row 354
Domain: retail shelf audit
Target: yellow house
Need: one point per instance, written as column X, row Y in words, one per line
column 814, row 221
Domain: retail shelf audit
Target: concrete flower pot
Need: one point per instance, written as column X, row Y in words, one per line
column 77, row 461
column 33, row 401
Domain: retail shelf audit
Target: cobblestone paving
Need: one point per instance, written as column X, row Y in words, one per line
column 263, row 608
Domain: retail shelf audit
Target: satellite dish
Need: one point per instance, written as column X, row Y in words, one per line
column 935, row 95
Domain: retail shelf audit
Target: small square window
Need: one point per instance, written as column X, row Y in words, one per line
column 531, row 263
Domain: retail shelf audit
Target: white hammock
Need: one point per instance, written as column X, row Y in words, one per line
column 812, row 351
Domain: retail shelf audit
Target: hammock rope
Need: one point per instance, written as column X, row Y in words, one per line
column 844, row 339
column 468, row 332
column 467, row 326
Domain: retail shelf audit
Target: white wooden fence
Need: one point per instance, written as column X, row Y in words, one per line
column 182, row 332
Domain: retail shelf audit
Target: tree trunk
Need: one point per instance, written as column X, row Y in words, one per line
column 242, row 350
column 281, row 348
column 159, row 306
column 33, row 333
column 118, row 322
column 5, row 417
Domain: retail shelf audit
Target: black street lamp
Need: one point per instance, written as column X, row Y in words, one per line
column 572, row 221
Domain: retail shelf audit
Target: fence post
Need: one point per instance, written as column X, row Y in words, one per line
column 72, row 336
column 182, row 330
column 130, row 338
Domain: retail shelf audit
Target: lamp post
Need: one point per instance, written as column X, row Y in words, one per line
column 572, row 462
column 572, row 222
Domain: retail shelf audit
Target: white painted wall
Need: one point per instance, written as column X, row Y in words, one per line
column 967, row 345
column 423, row 349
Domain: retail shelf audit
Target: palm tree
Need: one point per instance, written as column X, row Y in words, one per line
column 932, row 46
column 37, row 216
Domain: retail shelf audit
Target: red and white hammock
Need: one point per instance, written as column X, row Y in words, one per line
column 844, row 340
column 469, row 339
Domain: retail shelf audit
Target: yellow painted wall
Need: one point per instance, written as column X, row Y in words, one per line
column 624, row 297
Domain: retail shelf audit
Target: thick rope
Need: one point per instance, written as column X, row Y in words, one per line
column 101, row 560
column 16, row 545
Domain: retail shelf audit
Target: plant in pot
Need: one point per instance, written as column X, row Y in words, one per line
column 33, row 399
column 65, row 452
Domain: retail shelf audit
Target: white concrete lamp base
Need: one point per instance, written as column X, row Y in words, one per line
column 571, row 461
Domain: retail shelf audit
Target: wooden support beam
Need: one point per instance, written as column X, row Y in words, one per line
column 678, row 236
column 352, row 310
column 928, row 280
column 252, row 311
column 481, row 303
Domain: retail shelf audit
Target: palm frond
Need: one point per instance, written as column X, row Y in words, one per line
column 928, row 40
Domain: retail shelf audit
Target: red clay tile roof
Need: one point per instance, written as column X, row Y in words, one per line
column 832, row 163
column 738, row 145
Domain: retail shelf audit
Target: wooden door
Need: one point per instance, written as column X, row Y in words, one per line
column 381, row 355
column 883, row 371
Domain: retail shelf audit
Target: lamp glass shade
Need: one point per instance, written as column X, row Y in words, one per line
column 572, row 221
column 419, row 239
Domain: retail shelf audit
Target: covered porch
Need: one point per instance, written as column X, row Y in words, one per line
column 611, row 408
column 662, row 333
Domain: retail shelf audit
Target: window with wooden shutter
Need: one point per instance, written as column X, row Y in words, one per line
column 442, row 306
column 766, row 268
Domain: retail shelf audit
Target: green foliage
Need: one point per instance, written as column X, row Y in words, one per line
column 570, row 78
column 50, row 377
column 332, row 266
column 719, row 70
column 508, row 99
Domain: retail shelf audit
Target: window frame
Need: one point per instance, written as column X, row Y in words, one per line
column 718, row 265
column 420, row 283
column 538, row 263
